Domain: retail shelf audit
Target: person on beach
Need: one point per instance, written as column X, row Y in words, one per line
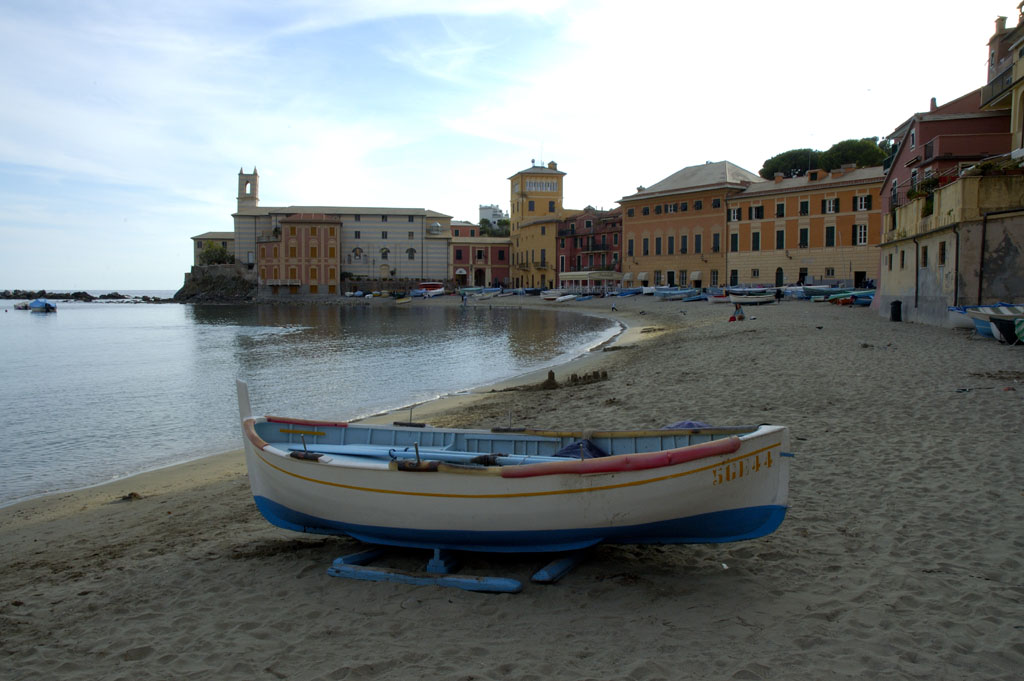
column 778, row 296
column 737, row 314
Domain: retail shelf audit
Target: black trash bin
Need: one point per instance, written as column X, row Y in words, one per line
column 896, row 311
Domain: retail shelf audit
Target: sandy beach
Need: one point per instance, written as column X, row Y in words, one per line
column 900, row 558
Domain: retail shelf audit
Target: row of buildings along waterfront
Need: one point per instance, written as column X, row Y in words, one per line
column 938, row 224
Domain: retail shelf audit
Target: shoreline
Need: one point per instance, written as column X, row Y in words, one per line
column 894, row 560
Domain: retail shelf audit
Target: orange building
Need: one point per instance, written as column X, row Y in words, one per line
column 821, row 227
column 674, row 231
column 301, row 252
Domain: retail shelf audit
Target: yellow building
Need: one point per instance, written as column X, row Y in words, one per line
column 821, row 227
column 536, row 200
column 674, row 231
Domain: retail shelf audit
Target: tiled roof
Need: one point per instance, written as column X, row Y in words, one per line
column 694, row 178
column 804, row 183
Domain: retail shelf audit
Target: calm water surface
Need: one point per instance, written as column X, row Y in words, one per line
column 99, row 391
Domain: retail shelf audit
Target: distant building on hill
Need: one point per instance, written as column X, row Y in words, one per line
column 492, row 213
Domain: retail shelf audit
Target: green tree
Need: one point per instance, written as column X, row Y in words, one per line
column 792, row 163
column 485, row 227
column 215, row 254
column 863, row 152
column 504, row 227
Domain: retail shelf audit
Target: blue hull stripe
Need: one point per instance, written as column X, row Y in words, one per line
column 707, row 528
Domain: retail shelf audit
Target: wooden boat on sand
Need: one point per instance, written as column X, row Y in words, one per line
column 523, row 491
column 752, row 298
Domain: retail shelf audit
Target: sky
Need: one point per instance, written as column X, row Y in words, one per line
column 125, row 123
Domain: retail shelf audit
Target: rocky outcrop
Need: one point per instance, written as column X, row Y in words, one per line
column 215, row 284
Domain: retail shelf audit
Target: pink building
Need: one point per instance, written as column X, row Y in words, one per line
column 590, row 241
column 934, row 145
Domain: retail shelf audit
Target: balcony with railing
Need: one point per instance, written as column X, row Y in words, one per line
column 998, row 87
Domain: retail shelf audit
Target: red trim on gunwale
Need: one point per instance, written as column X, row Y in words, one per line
column 307, row 422
column 625, row 462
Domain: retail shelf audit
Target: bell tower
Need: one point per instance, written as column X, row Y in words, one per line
column 248, row 190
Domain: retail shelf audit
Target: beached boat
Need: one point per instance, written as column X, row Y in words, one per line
column 480, row 490
column 41, row 305
column 553, row 293
column 752, row 298
column 428, row 289
column 566, row 298
column 984, row 319
column 673, row 293
column 717, row 297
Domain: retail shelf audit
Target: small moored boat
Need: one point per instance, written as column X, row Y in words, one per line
column 526, row 491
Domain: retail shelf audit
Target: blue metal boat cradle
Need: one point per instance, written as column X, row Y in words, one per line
column 440, row 569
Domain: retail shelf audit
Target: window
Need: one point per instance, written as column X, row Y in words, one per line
column 551, row 206
column 384, row 253
column 646, row 243
column 530, row 206
column 657, row 277
column 312, row 250
column 734, row 277
column 501, row 255
column 755, row 273
column 410, row 220
column 588, row 224
column 291, row 251
column 411, row 252
column 830, row 205
column 942, row 254
column 683, row 207
column 356, row 236
column 716, row 242
column 412, row 235
column 903, row 259
column 780, row 210
column 913, row 138
column 716, row 203
column 714, row 277
column 357, row 217
column 698, row 204
column 646, row 210
column 671, row 245
column 291, row 230
column 657, row 246
column 780, row 239
column 830, row 236
column 755, row 241
column 889, row 259
column 312, row 230
column 629, row 212
column 913, row 178
column 755, row 212
column 860, row 235
column 479, row 254
column 543, row 230
column 682, row 277
column 924, row 256
column 862, row 202
column 682, row 244
column 830, row 271
column 331, row 231
column 734, row 242
column 803, row 236
column 383, row 218
column 696, row 243
column 384, row 235
column 735, row 214
column 458, row 254
column 629, row 247
column 805, row 208
column 657, row 210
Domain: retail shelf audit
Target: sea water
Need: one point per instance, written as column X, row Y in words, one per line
column 100, row 391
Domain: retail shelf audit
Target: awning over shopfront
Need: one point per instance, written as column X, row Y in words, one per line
column 595, row 275
column 642, row 276
column 695, row 276
column 628, row 276
column 460, row 271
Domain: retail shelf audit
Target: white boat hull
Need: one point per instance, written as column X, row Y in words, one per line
column 726, row 496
